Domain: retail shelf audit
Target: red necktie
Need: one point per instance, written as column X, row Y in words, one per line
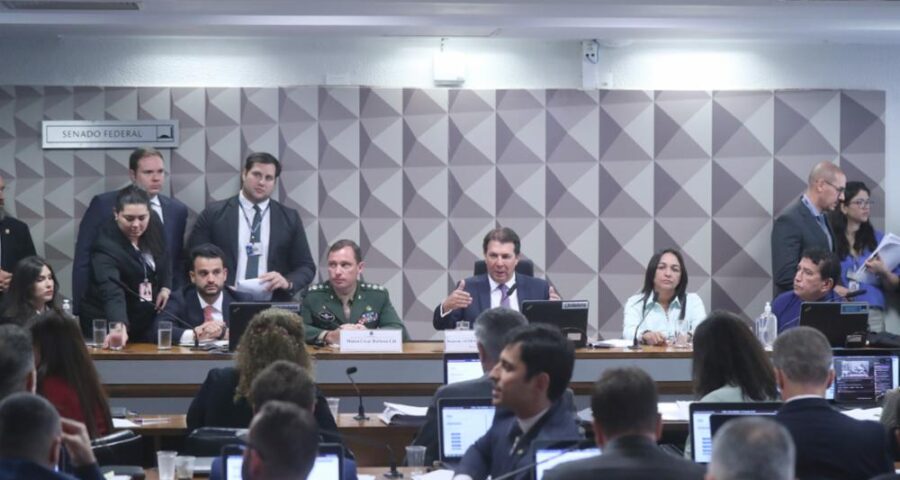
column 207, row 314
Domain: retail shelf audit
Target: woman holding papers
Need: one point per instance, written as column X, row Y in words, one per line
column 663, row 309
column 855, row 240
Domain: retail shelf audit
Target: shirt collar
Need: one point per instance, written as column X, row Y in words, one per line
column 216, row 305
column 509, row 283
column 247, row 205
column 155, row 200
column 527, row 423
column 801, row 397
column 809, row 205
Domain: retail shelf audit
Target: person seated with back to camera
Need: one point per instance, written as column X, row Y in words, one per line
column 663, row 307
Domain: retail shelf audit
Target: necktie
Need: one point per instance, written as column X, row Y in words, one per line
column 157, row 207
column 504, row 300
column 207, row 314
column 253, row 260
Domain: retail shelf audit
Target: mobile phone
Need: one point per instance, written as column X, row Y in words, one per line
column 232, row 461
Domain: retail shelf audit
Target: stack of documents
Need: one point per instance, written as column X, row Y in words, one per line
column 399, row 414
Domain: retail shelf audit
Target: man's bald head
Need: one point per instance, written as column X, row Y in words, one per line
column 826, row 186
column 824, row 170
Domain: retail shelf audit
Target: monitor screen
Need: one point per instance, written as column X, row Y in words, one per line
column 703, row 421
column 460, row 369
column 862, row 378
column 327, row 467
column 461, row 425
column 547, row 458
column 233, row 464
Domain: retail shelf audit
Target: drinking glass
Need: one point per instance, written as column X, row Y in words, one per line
column 99, row 333
column 164, row 336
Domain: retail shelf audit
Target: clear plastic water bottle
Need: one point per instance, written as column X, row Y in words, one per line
column 67, row 308
column 766, row 327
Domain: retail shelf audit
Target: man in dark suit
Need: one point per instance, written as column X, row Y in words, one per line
column 491, row 329
column 627, row 426
column 31, row 434
column 500, row 287
column 204, row 302
column 829, row 443
column 15, row 242
column 265, row 246
column 804, row 225
column 752, row 448
column 529, row 380
column 147, row 171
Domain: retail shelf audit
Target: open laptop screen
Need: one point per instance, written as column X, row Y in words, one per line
column 861, row 377
column 459, row 367
column 461, row 422
column 550, row 454
column 701, row 418
column 327, row 466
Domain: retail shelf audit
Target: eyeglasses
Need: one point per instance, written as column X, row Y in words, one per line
column 862, row 203
column 840, row 190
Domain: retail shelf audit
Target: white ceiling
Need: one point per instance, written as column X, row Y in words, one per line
column 615, row 21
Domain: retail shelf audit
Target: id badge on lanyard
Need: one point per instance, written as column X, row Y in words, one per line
column 254, row 249
column 146, row 290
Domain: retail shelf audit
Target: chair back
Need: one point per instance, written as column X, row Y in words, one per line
column 120, row 448
column 208, row 441
column 525, row 267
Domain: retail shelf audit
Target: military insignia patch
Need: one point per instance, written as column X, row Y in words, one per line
column 368, row 317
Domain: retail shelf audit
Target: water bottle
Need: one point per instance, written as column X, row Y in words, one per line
column 67, row 308
column 766, row 327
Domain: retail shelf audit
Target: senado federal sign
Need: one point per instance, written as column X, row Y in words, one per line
column 84, row 134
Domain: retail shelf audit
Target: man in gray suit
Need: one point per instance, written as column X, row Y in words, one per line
column 491, row 328
column 803, row 225
column 626, row 428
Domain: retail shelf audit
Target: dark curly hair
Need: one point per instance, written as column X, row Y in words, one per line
column 273, row 334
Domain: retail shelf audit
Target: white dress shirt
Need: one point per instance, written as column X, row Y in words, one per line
column 659, row 320
column 497, row 295
column 244, row 223
column 188, row 336
column 157, row 207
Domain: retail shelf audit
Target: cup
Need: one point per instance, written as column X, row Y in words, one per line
column 333, row 404
column 415, row 458
column 165, row 464
column 99, row 333
column 164, row 336
column 184, row 467
column 682, row 334
column 116, row 335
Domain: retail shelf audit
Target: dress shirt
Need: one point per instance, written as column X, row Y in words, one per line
column 820, row 219
column 657, row 319
column 188, row 335
column 157, row 207
column 497, row 295
column 245, row 218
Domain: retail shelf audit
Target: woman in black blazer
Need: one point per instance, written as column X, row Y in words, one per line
column 131, row 276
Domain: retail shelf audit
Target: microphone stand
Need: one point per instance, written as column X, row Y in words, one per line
column 361, row 412
column 635, row 344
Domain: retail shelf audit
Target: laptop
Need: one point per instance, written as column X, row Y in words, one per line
column 571, row 316
column 461, row 421
column 836, row 320
column 459, row 367
column 240, row 314
column 329, row 463
column 550, row 453
column 703, row 416
column 861, row 377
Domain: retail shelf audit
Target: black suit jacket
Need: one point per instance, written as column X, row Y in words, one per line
column 479, row 287
column 214, row 406
column 428, row 434
column 630, row 457
column 15, row 243
column 99, row 211
column 288, row 250
column 112, row 256
column 185, row 305
column 794, row 231
column 16, row 469
column 831, row 445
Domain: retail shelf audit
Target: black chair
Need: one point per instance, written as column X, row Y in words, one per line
column 120, row 448
column 208, row 441
column 525, row 267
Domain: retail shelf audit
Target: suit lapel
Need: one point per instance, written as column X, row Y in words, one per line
column 275, row 218
column 484, row 295
column 193, row 308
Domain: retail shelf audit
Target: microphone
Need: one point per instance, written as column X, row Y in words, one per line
column 177, row 320
column 635, row 345
column 855, row 293
column 392, row 472
column 361, row 414
column 576, row 446
column 511, row 290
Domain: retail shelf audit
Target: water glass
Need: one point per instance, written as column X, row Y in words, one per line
column 164, row 336
column 415, row 457
column 165, row 464
column 184, row 467
column 99, row 333
column 682, row 334
column 333, row 404
column 116, row 335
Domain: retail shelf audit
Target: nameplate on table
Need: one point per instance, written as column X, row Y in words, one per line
column 459, row 341
column 370, row 341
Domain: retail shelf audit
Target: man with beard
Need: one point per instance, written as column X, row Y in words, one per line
column 204, row 302
column 15, row 242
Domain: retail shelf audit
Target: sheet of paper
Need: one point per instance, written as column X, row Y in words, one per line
column 407, row 409
column 619, row 342
column 255, row 288
column 864, row 413
column 123, row 423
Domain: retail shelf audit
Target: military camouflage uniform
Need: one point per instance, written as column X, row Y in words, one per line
column 370, row 306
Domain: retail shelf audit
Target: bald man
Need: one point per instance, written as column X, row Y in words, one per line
column 804, row 225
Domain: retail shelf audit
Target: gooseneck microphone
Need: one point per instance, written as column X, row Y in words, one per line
column 855, row 293
column 177, row 320
column 635, row 344
column 392, row 468
column 361, row 414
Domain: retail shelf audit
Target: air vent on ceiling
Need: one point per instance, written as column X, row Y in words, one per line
column 80, row 5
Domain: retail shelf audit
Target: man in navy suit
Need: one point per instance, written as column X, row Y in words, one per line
column 529, row 381
column 804, row 225
column 15, row 242
column 829, row 443
column 500, row 287
column 204, row 302
column 263, row 241
column 147, row 171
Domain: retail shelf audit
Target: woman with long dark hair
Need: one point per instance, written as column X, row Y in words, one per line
column 66, row 375
column 131, row 275
column 32, row 290
column 854, row 240
column 663, row 307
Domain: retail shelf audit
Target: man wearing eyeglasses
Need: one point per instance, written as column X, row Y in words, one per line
column 803, row 225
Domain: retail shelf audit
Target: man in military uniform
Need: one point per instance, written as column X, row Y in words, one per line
column 345, row 303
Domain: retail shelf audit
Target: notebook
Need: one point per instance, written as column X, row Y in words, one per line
column 459, row 367
column 703, row 416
